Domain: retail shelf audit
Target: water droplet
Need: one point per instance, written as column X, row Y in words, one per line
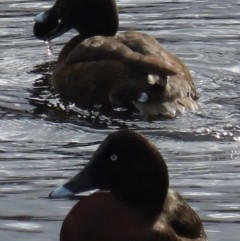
column 49, row 47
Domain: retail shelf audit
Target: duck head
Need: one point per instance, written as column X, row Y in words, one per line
column 127, row 164
column 88, row 17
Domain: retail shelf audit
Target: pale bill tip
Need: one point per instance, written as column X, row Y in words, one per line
column 40, row 18
column 61, row 192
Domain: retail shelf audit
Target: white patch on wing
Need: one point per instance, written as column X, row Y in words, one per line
column 96, row 43
column 143, row 97
column 153, row 79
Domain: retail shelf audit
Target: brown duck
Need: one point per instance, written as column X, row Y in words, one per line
column 135, row 202
column 99, row 67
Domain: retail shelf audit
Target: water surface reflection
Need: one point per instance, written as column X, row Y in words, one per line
column 45, row 140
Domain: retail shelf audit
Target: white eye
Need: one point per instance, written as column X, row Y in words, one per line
column 113, row 157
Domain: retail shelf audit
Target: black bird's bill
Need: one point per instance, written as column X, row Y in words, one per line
column 79, row 184
column 48, row 26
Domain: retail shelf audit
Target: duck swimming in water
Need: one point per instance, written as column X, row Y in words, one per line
column 134, row 202
column 100, row 67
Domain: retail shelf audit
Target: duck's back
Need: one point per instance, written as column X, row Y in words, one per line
column 182, row 219
column 131, row 70
column 180, row 92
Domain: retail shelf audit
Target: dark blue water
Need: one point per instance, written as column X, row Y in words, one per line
column 44, row 141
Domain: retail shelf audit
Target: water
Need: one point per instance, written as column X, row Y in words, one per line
column 44, row 141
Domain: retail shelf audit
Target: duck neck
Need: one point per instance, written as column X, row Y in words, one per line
column 149, row 203
column 148, row 197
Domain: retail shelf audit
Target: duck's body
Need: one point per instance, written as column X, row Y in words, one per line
column 137, row 206
column 129, row 69
column 123, row 221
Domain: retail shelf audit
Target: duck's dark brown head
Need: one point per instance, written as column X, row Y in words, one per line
column 88, row 17
column 126, row 163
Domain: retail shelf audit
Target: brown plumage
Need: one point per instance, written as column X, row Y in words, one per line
column 129, row 69
column 137, row 204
